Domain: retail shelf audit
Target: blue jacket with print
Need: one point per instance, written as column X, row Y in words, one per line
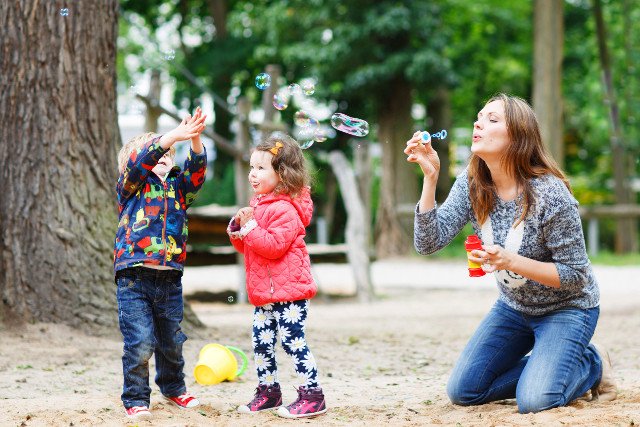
column 152, row 229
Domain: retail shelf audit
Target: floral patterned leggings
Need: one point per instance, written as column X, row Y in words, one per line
column 288, row 319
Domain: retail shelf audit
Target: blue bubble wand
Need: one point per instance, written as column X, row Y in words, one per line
column 426, row 136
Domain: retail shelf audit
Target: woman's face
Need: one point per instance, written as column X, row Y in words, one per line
column 490, row 137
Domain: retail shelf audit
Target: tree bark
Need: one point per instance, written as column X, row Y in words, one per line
column 547, row 72
column 399, row 184
column 59, row 139
column 626, row 231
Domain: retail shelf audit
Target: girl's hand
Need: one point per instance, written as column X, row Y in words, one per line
column 493, row 258
column 244, row 215
column 424, row 155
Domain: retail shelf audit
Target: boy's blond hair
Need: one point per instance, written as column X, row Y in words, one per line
column 136, row 143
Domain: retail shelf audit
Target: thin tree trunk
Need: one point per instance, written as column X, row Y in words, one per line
column 626, row 232
column 439, row 109
column 357, row 230
column 547, row 72
column 59, row 139
column 398, row 184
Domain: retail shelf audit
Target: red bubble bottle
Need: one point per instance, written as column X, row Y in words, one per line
column 473, row 242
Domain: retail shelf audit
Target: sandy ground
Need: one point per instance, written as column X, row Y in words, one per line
column 386, row 362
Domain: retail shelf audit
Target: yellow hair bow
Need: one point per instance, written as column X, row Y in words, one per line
column 275, row 148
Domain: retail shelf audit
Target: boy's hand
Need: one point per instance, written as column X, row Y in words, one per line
column 196, row 143
column 190, row 127
column 244, row 215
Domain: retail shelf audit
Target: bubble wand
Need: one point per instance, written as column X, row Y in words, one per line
column 426, row 136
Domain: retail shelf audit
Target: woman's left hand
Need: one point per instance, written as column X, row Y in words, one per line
column 494, row 258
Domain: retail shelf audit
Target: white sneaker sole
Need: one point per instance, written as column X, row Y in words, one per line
column 284, row 413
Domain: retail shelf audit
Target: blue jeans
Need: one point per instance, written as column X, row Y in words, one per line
column 494, row 365
column 150, row 312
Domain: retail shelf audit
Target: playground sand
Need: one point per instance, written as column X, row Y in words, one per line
column 385, row 362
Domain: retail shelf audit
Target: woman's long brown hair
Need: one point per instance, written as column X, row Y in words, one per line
column 526, row 157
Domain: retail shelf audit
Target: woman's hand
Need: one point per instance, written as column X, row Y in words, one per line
column 493, row 258
column 424, row 155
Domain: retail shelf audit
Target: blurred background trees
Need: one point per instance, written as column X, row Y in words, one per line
column 404, row 66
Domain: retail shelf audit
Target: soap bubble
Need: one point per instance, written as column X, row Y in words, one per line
column 281, row 99
column 294, row 89
column 306, row 144
column 169, row 54
column 64, row 11
column 263, row 81
column 350, row 125
column 308, row 87
column 319, row 135
column 302, row 119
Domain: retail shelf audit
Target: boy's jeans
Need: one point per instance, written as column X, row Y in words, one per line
column 562, row 366
column 150, row 312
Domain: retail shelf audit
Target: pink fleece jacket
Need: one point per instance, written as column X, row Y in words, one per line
column 276, row 259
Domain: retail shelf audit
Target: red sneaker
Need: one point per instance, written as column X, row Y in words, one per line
column 185, row 400
column 137, row 412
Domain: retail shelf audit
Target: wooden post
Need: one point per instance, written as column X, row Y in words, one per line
column 269, row 110
column 241, row 171
column 153, row 112
column 363, row 172
column 357, row 231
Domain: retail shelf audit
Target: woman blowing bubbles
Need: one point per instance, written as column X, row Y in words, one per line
column 534, row 343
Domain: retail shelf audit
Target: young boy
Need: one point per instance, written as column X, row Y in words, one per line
column 149, row 254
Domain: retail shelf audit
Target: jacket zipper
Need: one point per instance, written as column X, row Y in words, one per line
column 270, row 279
column 164, row 225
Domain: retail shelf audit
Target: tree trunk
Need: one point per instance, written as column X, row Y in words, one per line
column 357, row 230
column 547, row 74
column 399, row 183
column 439, row 110
column 626, row 231
column 59, row 139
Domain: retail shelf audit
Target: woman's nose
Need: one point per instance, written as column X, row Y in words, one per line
column 476, row 124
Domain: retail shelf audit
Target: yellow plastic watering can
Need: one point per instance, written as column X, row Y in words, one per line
column 216, row 363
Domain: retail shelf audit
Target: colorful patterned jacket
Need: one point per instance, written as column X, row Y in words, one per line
column 276, row 259
column 153, row 214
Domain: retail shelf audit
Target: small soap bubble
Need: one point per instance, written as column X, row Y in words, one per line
column 306, row 144
column 64, row 11
column 169, row 54
column 230, row 299
column 294, row 89
column 301, row 118
column 350, row 125
column 281, row 99
column 308, row 87
column 319, row 135
column 263, row 81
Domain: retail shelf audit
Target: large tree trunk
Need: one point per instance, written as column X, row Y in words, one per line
column 547, row 73
column 399, row 184
column 59, row 139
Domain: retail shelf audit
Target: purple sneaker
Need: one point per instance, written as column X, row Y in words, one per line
column 310, row 403
column 266, row 397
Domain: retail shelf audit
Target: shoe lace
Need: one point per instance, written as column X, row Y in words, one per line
column 261, row 392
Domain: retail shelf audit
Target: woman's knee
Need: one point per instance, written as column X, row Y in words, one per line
column 532, row 403
column 460, row 394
